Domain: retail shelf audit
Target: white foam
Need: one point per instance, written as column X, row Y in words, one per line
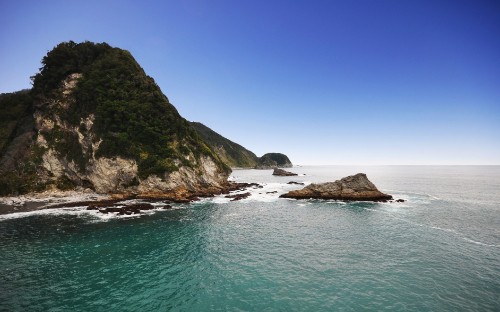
column 51, row 211
column 269, row 192
column 407, row 194
column 82, row 211
column 303, row 204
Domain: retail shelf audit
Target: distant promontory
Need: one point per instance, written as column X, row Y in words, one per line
column 237, row 156
column 231, row 153
column 273, row 160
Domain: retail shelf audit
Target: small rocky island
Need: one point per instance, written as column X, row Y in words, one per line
column 283, row 173
column 355, row 187
column 273, row 160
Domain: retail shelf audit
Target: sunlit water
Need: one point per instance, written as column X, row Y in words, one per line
column 438, row 251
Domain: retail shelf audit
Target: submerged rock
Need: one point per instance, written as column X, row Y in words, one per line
column 356, row 187
column 283, row 173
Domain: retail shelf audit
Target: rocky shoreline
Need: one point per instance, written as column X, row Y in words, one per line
column 37, row 201
column 351, row 188
column 111, row 202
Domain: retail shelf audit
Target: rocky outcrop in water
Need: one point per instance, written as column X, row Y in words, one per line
column 356, row 187
column 238, row 196
column 283, row 173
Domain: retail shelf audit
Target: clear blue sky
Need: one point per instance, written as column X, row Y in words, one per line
column 325, row 82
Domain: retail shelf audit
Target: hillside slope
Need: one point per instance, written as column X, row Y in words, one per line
column 273, row 160
column 231, row 153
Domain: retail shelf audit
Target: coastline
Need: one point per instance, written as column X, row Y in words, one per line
column 38, row 201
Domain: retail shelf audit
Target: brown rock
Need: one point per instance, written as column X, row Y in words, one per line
column 356, row 187
column 283, row 173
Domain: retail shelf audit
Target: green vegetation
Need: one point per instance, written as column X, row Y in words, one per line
column 23, row 177
column 67, row 145
column 233, row 154
column 15, row 108
column 132, row 116
column 66, row 58
column 18, row 168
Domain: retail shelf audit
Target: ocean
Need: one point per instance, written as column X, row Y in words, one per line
column 437, row 251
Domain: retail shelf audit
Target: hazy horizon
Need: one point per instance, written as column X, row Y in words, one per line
column 326, row 83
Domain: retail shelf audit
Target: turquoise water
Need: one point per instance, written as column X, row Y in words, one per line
column 439, row 251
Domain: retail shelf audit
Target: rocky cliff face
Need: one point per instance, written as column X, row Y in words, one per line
column 273, row 160
column 356, row 187
column 101, row 123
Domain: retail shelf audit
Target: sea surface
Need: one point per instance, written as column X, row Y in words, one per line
column 438, row 251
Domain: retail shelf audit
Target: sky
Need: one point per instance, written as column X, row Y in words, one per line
column 370, row 82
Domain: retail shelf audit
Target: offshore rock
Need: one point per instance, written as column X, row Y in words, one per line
column 283, row 173
column 356, row 187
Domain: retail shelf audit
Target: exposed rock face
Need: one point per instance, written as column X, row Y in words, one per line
column 283, row 173
column 112, row 174
column 356, row 187
column 186, row 181
column 104, row 126
column 273, row 160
